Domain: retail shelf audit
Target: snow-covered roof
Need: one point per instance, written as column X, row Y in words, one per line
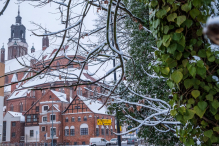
column 7, row 88
column 14, row 78
column 17, row 114
column 71, row 74
column 94, row 105
column 15, row 64
column 19, row 93
column 61, row 96
column 4, row 108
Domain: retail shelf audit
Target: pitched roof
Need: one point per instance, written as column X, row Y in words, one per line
column 60, row 95
column 17, row 114
column 70, row 74
column 15, row 64
column 19, row 94
column 94, row 105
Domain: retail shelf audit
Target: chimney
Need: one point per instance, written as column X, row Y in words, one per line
column 3, row 54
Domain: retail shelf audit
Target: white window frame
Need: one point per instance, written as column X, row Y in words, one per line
column 46, row 118
column 52, row 120
column 51, row 132
column 42, row 128
column 43, row 108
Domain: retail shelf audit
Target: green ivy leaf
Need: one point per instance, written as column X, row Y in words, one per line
column 166, row 38
column 215, row 104
column 179, row 30
column 161, row 13
column 194, row 13
column 195, row 93
column 216, row 116
column 171, row 62
column 170, row 1
column 200, row 63
column 171, row 17
column 189, row 114
column 197, row 3
column 177, row 76
column 167, row 43
column 188, row 83
column 186, row 7
column 180, row 20
column 184, row 62
column 202, row 105
column 209, row 97
column 177, row 36
column 165, row 70
column 191, row 101
column 211, row 58
column 202, row 53
column 173, row 112
column 192, row 71
column 166, row 29
column 208, row 133
column 216, row 129
column 188, row 23
column 172, row 48
column 199, row 112
column 154, row 3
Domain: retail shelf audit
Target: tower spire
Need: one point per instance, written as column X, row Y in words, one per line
column 18, row 10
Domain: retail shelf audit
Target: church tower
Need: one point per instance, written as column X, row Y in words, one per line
column 45, row 42
column 17, row 45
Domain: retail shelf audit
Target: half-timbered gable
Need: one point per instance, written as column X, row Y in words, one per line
column 77, row 106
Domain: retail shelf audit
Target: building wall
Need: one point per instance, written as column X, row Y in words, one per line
column 36, row 137
column 8, row 118
column 18, row 129
column 2, row 72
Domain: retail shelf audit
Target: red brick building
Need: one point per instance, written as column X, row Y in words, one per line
column 39, row 106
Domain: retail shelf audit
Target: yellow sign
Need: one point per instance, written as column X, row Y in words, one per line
column 104, row 122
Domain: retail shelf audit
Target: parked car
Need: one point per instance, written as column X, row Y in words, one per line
column 98, row 141
column 113, row 141
column 124, row 141
column 132, row 141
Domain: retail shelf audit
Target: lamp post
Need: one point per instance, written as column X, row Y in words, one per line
column 52, row 122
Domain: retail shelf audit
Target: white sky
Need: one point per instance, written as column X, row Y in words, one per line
column 47, row 16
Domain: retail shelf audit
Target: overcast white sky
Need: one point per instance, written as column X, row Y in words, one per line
column 47, row 16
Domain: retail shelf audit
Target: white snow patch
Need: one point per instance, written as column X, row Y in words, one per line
column 215, row 78
column 61, row 96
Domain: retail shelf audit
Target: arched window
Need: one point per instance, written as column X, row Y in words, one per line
column 66, row 131
column 97, row 131
column 66, row 119
column 102, row 130
column 11, row 107
column 72, row 130
column 73, row 119
column 111, row 130
column 79, row 119
column 107, row 130
column 84, row 129
column 21, row 107
column 85, row 118
column 57, row 65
